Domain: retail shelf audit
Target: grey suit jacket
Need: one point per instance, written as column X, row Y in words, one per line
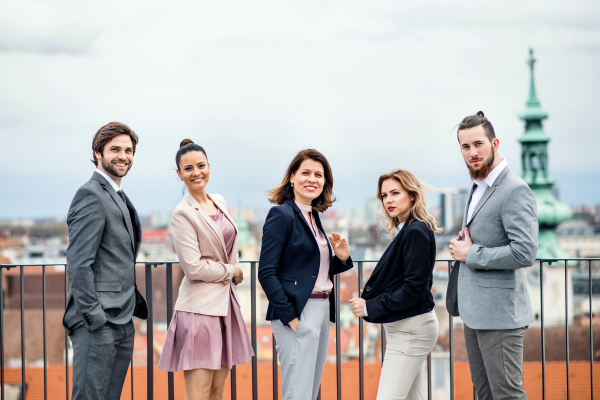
column 104, row 240
column 489, row 291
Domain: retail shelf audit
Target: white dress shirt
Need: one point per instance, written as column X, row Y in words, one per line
column 400, row 225
column 484, row 184
column 109, row 179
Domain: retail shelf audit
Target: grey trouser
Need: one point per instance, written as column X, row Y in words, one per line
column 302, row 354
column 100, row 361
column 496, row 362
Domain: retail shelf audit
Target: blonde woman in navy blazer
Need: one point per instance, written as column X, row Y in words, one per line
column 296, row 269
column 398, row 293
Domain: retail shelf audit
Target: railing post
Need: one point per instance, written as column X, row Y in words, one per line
column 169, row 272
column 361, row 356
column 542, row 329
column 429, row 386
column 44, row 331
column 338, row 345
column 451, row 340
column 22, row 282
column 253, row 326
column 591, row 334
column 66, row 337
column 383, row 343
column 149, row 335
column 567, row 323
column 1, row 336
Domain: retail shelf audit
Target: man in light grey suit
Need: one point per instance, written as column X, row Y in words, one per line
column 104, row 240
column 487, row 286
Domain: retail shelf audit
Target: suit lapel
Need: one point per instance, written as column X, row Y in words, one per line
column 320, row 228
column 386, row 254
column 122, row 206
column 226, row 214
column 190, row 199
column 136, row 224
column 292, row 203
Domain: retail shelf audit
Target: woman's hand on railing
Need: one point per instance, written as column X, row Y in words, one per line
column 340, row 246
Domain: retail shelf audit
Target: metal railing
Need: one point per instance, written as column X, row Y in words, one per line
column 253, row 287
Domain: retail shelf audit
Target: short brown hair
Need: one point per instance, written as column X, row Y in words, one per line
column 279, row 194
column 472, row 121
column 107, row 133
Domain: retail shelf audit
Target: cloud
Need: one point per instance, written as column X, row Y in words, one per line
column 46, row 40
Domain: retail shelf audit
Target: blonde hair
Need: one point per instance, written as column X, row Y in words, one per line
column 415, row 188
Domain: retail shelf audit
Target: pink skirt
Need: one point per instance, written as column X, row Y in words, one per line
column 203, row 341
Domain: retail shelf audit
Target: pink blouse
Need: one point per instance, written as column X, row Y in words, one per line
column 228, row 232
column 323, row 283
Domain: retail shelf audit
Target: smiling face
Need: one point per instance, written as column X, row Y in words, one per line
column 396, row 201
column 480, row 155
column 308, row 181
column 194, row 170
column 117, row 157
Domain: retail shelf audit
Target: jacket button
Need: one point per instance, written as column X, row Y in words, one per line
column 368, row 288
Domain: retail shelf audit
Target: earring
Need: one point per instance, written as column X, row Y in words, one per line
column 292, row 185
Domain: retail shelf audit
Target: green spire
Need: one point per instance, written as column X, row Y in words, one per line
column 534, row 167
column 533, row 114
column 244, row 235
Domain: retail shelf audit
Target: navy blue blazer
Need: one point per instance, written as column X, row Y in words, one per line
column 289, row 262
column 400, row 285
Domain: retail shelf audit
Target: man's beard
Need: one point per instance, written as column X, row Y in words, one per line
column 484, row 169
column 108, row 167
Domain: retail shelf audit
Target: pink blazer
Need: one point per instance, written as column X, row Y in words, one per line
column 202, row 255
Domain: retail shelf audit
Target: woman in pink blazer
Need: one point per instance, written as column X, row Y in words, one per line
column 207, row 334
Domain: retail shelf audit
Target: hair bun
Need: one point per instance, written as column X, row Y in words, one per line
column 185, row 142
column 479, row 114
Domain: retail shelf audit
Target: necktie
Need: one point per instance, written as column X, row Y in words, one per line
column 122, row 196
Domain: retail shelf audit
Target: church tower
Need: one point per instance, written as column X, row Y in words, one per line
column 534, row 166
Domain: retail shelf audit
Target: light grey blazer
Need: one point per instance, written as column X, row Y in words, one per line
column 104, row 240
column 489, row 291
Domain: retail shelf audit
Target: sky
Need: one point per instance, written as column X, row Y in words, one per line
column 373, row 85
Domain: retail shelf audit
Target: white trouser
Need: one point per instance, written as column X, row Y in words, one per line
column 409, row 341
column 302, row 354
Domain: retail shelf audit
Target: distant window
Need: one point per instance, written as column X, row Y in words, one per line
column 36, row 254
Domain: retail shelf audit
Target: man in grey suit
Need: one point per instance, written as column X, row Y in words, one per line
column 104, row 240
column 487, row 286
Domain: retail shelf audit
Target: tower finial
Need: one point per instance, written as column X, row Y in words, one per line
column 532, row 101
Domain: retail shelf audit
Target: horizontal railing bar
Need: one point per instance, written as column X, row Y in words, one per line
column 157, row 263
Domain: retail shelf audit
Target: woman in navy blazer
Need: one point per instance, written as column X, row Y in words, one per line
column 296, row 269
column 398, row 293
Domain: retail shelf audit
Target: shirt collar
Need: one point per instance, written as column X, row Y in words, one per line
column 304, row 207
column 400, row 225
column 493, row 175
column 109, row 179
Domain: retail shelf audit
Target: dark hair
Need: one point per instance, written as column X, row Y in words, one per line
column 107, row 133
column 279, row 194
column 475, row 120
column 185, row 147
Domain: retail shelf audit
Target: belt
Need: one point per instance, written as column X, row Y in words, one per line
column 319, row 296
